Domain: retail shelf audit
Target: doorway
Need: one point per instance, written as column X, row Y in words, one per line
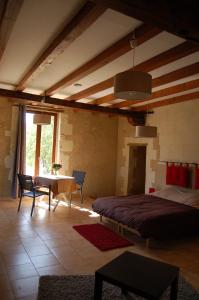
column 40, row 145
column 137, row 169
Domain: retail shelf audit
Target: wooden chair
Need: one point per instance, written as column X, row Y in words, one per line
column 28, row 189
column 79, row 179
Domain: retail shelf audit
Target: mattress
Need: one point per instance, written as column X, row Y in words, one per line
column 150, row 215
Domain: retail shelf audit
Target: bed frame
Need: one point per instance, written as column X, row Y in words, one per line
column 120, row 228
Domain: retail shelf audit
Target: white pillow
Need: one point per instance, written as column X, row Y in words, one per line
column 180, row 195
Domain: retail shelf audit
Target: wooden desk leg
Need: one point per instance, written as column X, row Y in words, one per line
column 98, row 287
column 174, row 289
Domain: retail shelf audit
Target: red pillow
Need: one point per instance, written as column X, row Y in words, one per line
column 175, row 174
column 183, row 176
column 178, row 175
column 169, row 177
column 197, row 178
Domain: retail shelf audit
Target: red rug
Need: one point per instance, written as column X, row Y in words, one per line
column 102, row 237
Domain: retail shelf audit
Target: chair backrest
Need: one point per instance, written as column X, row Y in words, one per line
column 79, row 176
column 25, row 182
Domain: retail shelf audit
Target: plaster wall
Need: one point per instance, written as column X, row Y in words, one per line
column 177, row 140
column 88, row 142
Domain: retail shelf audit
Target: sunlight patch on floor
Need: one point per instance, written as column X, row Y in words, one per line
column 43, row 206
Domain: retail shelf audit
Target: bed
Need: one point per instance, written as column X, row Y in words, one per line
column 170, row 213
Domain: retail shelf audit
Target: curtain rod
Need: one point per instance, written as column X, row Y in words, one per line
column 178, row 162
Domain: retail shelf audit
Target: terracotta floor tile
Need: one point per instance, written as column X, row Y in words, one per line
column 52, row 270
column 28, row 234
column 52, row 235
column 32, row 241
column 7, row 295
column 44, row 260
column 4, row 283
column 22, row 237
column 25, row 287
column 21, row 271
column 3, row 270
column 37, row 250
column 9, row 250
column 56, row 242
column 20, row 221
column 29, row 297
column 74, row 261
column 63, row 251
column 16, row 259
column 8, row 241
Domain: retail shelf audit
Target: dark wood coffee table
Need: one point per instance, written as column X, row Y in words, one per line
column 143, row 276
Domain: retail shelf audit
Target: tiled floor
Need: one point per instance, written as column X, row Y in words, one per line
column 47, row 244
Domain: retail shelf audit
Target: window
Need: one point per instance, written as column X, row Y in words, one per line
column 40, row 145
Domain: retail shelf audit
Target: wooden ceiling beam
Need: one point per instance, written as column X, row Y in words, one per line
column 168, row 101
column 106, row 84
column 178, row 74
column 163, row 93
column 41, row 109
column 84, row 19
column 104, row 99
column 155, row 62
column 192, row 84
column 177, row 17
column 37, row 109
column 9, row 10
column 167, row 57
column 3, row 5
column 58, row 102
column 186, row 71
column 142, row 33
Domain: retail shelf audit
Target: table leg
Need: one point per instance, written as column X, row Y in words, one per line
column 174, row 289
column 98, row 287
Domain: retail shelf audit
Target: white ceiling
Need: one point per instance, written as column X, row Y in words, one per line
column 39, row 22
column 36, row 26
column 147, row 50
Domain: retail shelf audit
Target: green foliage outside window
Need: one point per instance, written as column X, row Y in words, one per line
column 45, row 150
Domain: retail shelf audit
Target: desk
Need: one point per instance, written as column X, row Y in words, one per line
column 58, row 183
column 141, row 275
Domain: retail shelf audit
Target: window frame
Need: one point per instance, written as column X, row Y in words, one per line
column 38, row 139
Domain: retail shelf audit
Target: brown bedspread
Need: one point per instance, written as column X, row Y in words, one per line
column 151, row 216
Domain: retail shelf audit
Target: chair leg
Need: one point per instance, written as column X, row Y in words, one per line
column 33, row 205
column 81, row 195
column 56, row 205
column 19, row 203
column 49, row 200
column 70, row 200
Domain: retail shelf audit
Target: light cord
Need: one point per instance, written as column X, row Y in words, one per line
column 133, row 44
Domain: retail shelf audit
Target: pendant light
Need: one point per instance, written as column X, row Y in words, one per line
column 145, row 131
column 42, row 118
column 132, row 85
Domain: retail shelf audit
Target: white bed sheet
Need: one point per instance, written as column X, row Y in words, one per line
column 180, row 195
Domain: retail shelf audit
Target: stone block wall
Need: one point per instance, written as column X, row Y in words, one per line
column 88, row 142
column 177, row 140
